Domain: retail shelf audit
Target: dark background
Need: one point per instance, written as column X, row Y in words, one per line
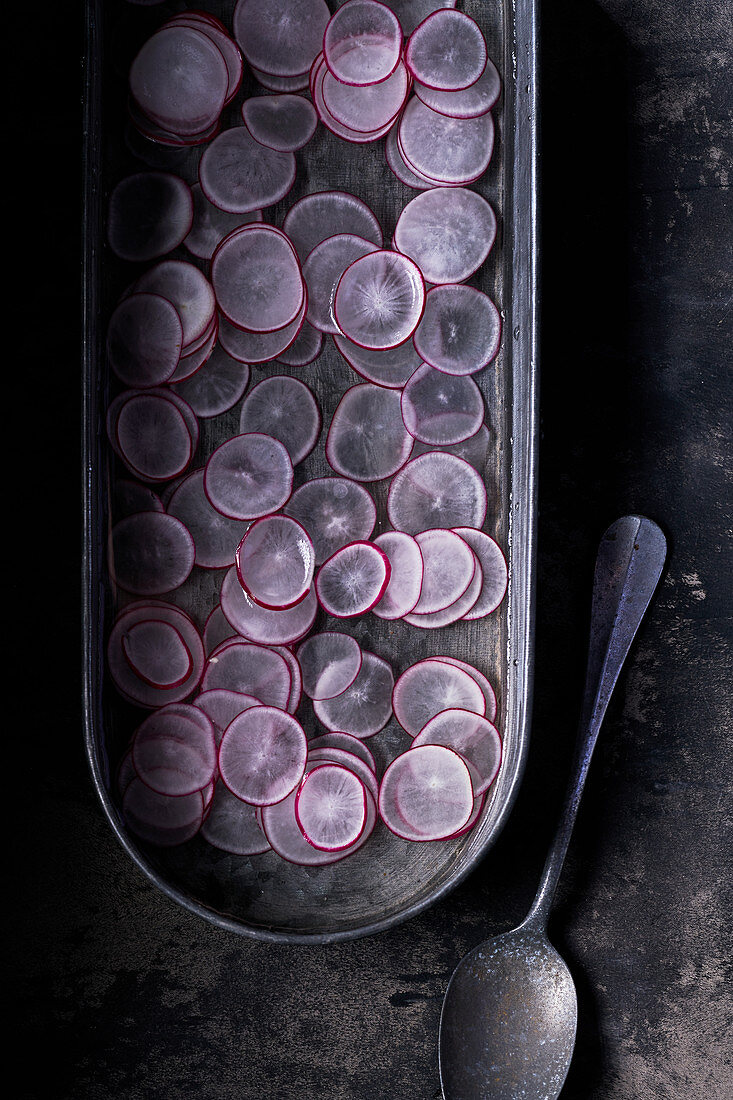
column 121, row 995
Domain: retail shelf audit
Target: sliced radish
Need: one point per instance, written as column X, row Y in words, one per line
column 472, row 737
column 412, row 12
column 127, row 682
column 239, row 175
column 431, row 686
column 474, row 450
column 125, row 772
column 259, row 347
column 399, row 166
column 352, row 580
column 258, row 624
column 131, row 496
column 144, row 340
column 296, row 680
column 447, row 150
column 256, row 278
column 284, row 409
column 434, row 490
column 280, row 37
column 217, row 629
column 334, row 511
column 329, row 663
column 483, row 683
column 390, row 367
column 262, row 755
column 275, row 562
column 366, row 109
column 454, row 611
column 406, row 575
column 440, row 408
column 357, row 137
column 179, row 78
column 251, row 669
column 161, row 819
column 426, row 794
column 366, row 706
column 189, row 291
column 215, row 536
column 448, row 569
column 150, row 553
column 249, row 476
column 284, row 834
column 217, row 386
column 153, row 437
column 217, row 32
column 344, row 742
column 469, row 102
column 322, row 270
column 149, row 215
column 362, row 42
column 222, row 706
column 368, row 440
column 191, row 363
column 460, row 330
column 448, row 232
column 324, row 214
column 157, row 652
column 282, row 122
column 331, row 807
column 447, row 51
column 494, row 569
column 211, row 225
column 174, row 751
column 304, row 349
column 347, row 759
column 232, row 825
column 380, row 299
column 281, row 84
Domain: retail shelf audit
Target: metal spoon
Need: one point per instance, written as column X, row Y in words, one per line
column 507, row 1028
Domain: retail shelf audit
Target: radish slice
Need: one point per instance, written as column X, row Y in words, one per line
column 406, row 575
column 281, row 84
column 282, row 122
column 189, row 291
column 352, row 580
column 448, row 569
column 150, row 553
column 149, row 215
column 190, row 364
column 343, row 742
column 144, row 340
column 330, row 807
column 232, row 826
column 455, row 611
column 441, row 408
column 131, row 496
column 174, row 752
column 250, row 669
column 433, row 490
column 153, row 437
column 211, row 225
column 380, row 299
column 399, row 166
column 215, row 537
column 346, row 759
column 157, row 653
column 472, row 737
column 217, row 387
column 296, row 680
column 368, row 440
column 495, row 572
column 474, row 450
column 239, row 175
column 127, row 682
column 304, row 349
column 217, row 629
column 366, row 109
column 161, row 819
column 180, row 80
column 431, row 686
column 322, row 270
column 470, row 102
column 217, row 32
column 275, row 562
column 447, row 150
column 390, row 367
column 483, row 683
column 447, row 51
column 412, row 12
column 366, row 706
column 283, row 832
column 334, row 511
column 362, row 42
column 329, row 663
column 460, row 329
column 358, row 137
column 448, row 232
column 258, row 624
column 125, row 772
column 426, row 794
column 259, row 347
column 284, row 409
column 262, row 755
column 256, row 279
column 222, row 706
column 324, row 214
column 249, row 476
column 280, row 37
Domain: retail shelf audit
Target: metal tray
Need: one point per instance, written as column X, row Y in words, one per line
column 388, row 880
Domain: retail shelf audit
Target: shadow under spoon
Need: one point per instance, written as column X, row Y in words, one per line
column 507, row 1027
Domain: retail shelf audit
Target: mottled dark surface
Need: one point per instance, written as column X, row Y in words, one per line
column 124, row 996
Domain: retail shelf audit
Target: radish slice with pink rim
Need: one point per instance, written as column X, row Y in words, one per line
column 281, row 84
column 249, row 668
column 358, row 137
column 362, row 42
column 232, row 825
column 431, row 686
column 296, row 680
column 481, row 680
column 174, row 752
column 127, row 682
column 150, row 553
column 447, row 51
column 189, row 291
column 344, row 742
column 406, row 575
column 239, row 175
column 399, row 166
column 331, row 807
column 389, row 367
column 412, row 12
column 283, row 122
column 352, row 580
column 217, row 386
column 179, row 79
column 366, row 109
column 191, row 363
column 460, row 330
column 446, row 150
column 249, row 476
column 259, row 347
column 440, row 408
column 275, row 562
column 426, row 794
column 380, row 299
column 494, row 569
column 151, row 130
column 262, row 755
column 436, row 489
column 222, row 706
column 152, row 437
column 334, row 511
column 329, row 663
column 149, row 214
column 448, row 568
column 475, row 739
column 368, row 440
column 323, row 214
column 157, row 653
column 455, row 611
column 366, row 706
column 285, row 409
column 283, row 832
column 469, row 102
column 448, row 232
column 217, row 629
column 322, row 270
column 144, row 340
column 280, row 37
column 161, row 819
column 219, row 35
column 258, row 624
column 256, row 279
column 304, row 349
column 474, row 450
column 215, row 536
column 347, row 759
column 211, row 225
column 131, row 496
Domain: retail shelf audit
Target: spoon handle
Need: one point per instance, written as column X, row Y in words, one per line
column 628, row 567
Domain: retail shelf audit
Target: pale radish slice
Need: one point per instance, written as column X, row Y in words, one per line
column 469, row 102
column 217, row 629
column 217, row 32
column 179, row 78
column 304, row 349
column 149, row 215
column 282, row 122
column 239, row 175
column 161, row 819
column 296, row 680
column 334, row 511
column 189, row 291
column 495, row 572
column 281, row 84
column 217, row 386
column 352, row 580
column 215, row 537
column 344, row 742
column 256, row 278
column 431, row 686
column 434, row 490
column 222, row 706
column 441, row 408
column 399, row 166
column 347, row 759
column 455, row 611
column 258, row 624
column 481, row 680
column 150, row 553
column 366, row 706
column 280, row 37
column 128, row 683
column 131, row 496
column 184, row 409
column 153, row 437
column 362, row 42
column 251, row 669
column 366, row 109
column 284, row 409
column 157, row 652
column 262, row 755
column 475, row 739
column 406, row 575
column 323, row 214
column 380, row 299
column 232, row 825
column 390, row 367
column 426, row 794
column 357, row 137
column 330, row 807
column 191, row 364
column 164, row 393
column 448, row 569
column 368, row 440
column 329, row 663
column 174, row 751
column 474, row 450
column 275, row 562
column 160, row 135
column 211, row 225
column 144, row 340
column 249, row 476
column 447, row 150
column 412, row 12
column 460, row 330
column 259, row 347
column 448, row 232
column 447, row 51
column 283, row 832
column 322, row 270
column 189, row 351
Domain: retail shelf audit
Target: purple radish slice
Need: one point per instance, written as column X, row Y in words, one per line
column 426, row 794
column 304, row 349
column 334, row 511
column 211, row 225
column 283, row 832
column 179, row 79
column 296, row 680
column 217, row 629
column 380, row 299
column 329, row 663
column 431, row 686
column 232, row 826
column 131, row 496
column 153, row 437
column 455, row 611
column 215, row 537
column 262, row 755
column 258, row 624
column 440, row 408
column 280, row 37
column 219, row 35
column 144, row 340
column 434, row 490
column 357, row 137
column 222, row 706
column 256, row 279
column 126, row 681
column 324, row 214
column 189, row 350
column 344, row 742
column 184, row 409
column 475, row 739
column 399, row 166
column 251, row 669
column 474, row 450
column 460, row 330
column 281, row 84
column 256, row 347
column 330, row 807
column 367, row 440
column 150, row 553
column 157, row 653
column 412, row 12
column 217, row 386
column 366, row 109
column 125, row 772
column 284, row 409
column 469, row 102
column 362, row 43
column 275, row 562
column 174, row 752
column 249, row 476
column 483, row 683
column 161, row 819
column 322, row 270
column 389, row 367
column 448, row 232
column 347, row 759
column 191, row 364
column 149, row 215
column 494, row 568
column 447, row 51
column 448, row 569
column 406, row 575
column 282, row 122
column 366, row 706
column 160, row 135
column 352, row 580
column 189, row 291
column 478, row 805
column 239, row 175
column 447, row 150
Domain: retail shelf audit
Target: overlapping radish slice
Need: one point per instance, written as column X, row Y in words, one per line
column 431, row 686
column 448, row 569
column 223, row 705
column 215, row 536
column 174, row 751
column 280, row 37
column 251, row 669
column 390, row 367
column 161, row 819
column 217, row 629
column 322, row 270
column 329, row 663
column 448, row 232
column 474, row 738
column 214, row 29
column 447, row 51
column 135, row 688
column 144, row 340
column 217, row 386
column 259, row 347
column 343, row 742
column 358, row 137
column 488, row 691
column 189, row 291
column 406, row 574
column 305, row 348
column 191, row 363
column 352, row 580
column 412, row 12
column 262, row 755
column 399, row 166
column 161, row 136
column 283, row 122
column 426, row 794
column 380, row 299
column 331, row 807
column 346, row 758
column 460, row 330
column 258, row 624
column 446, row 150
column 131, row 496
column 469, row 102
column 249, row 476
column 445, row 616
column 284, row 409
column 323, row 214
column 436, row 489
column 239, row 175
column 474, row 450
column 256, row 278
column 366, row 109
column 284, row 834
column 334, row 511
column 157, row 652
column 362, row 43
column 150, row 213
column 233, row 826
column 275, row 562
column 366, row 706
column 368, row 440
column 296, row 679
column 441, row 408
column 494, row 571
column 211, row 225
column 153, row 437
column 281, row 84
column 150, row 553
